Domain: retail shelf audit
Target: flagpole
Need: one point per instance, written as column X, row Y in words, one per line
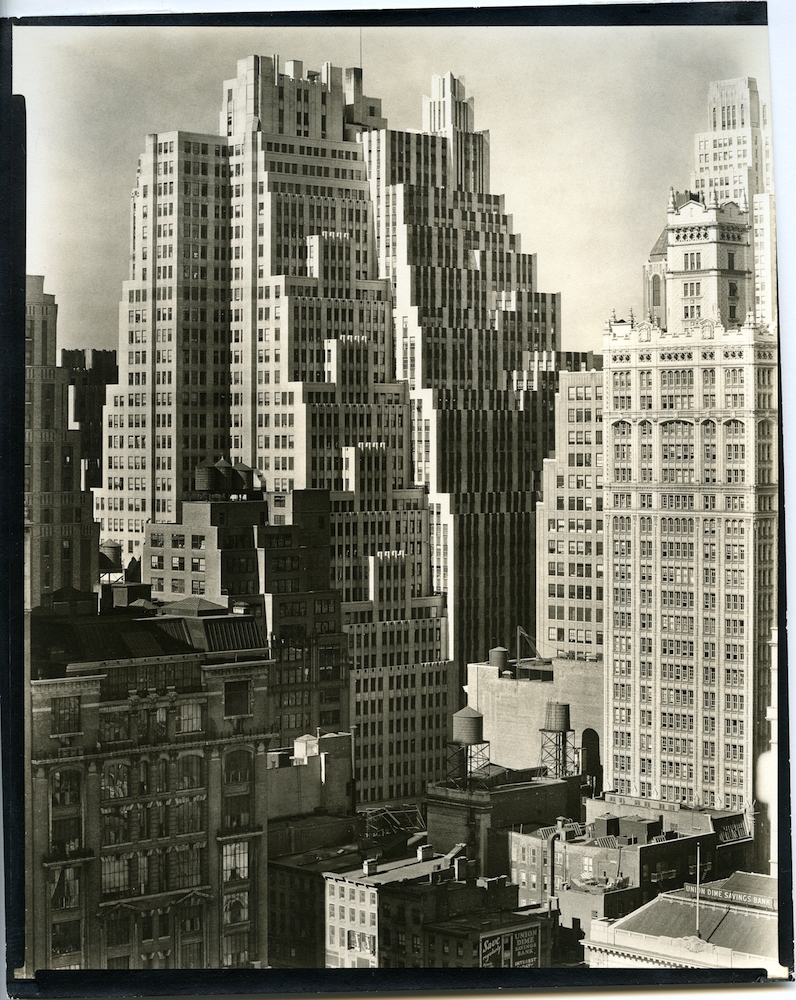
column 697, row 894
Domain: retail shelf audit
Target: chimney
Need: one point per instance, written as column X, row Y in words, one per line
column 370, row 866
column 460, row 869
column 425, row 852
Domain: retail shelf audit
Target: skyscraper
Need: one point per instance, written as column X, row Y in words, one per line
column 571, row 562
column 255, row 326
column 274, row 267
column 691, row 526
column 61, row 543
column 479, row 346
column 733, row 160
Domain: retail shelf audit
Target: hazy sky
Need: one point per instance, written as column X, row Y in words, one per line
column 589, row 128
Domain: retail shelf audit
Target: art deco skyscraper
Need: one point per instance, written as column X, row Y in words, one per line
column 691, row 526
column 255, row 325
column 479, row 347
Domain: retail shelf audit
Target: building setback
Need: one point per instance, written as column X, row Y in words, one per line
column 479, row 347
column 691, row 527
column 255, row 326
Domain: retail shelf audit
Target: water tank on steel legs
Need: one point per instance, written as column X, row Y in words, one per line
column 468, row 727
column 557, row 717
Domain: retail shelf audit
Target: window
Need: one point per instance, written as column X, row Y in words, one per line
column 115, row 876
column 235, row 861
column 66, row 891
column 189, row 717
column 117, row 930
column 114, row 726
column 65, row 937
column 189, row 867
column 236, row 699
column 237, row 767
column 115, row 781
column 65, row 715
column 235, row 949
column 237, row 811
column 190, row 771
column 236, row 908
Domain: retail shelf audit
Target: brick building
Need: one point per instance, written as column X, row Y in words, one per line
column 147, row 792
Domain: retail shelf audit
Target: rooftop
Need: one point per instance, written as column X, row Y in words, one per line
column 399, row 871
column 738, row 928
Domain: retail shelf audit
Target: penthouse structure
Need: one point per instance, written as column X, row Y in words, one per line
column 691, row 526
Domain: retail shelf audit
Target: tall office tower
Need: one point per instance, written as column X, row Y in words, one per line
column 254, row 281
column 733, row 160
column 90, row 373
column 691, row 527
column 468, row 318
column 61, row 540
column 570, row 594
column 171, row 408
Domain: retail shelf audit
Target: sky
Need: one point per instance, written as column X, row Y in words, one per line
column 589, row 128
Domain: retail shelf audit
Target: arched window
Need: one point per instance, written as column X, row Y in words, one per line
column 237, row 767
column 656, row 289
column 190, row 771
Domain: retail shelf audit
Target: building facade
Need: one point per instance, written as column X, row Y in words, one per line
column 268, row 557
column 61, row 539
column 691, row 526
column 90, row 373
column 733, row 160
column 255, row 326
column 352, row 904
column 478, row 345
column 570, row 563
column 456, row 920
